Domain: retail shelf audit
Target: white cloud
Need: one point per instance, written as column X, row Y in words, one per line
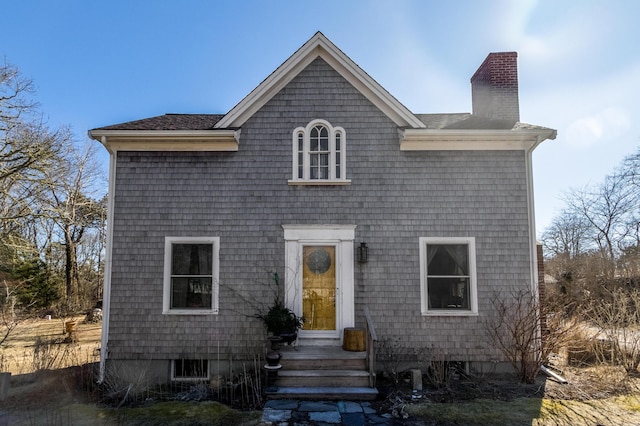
column 606, row 124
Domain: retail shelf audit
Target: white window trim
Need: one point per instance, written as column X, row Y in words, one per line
column 306, row 132
column 473, row 291
column 166, row 302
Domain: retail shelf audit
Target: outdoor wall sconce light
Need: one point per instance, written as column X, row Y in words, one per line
column 363, row 253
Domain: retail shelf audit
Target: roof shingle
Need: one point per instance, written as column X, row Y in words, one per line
column 170, row 122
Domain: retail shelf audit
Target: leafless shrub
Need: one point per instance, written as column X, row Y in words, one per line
column 515, row 329
column 125, row 384
column 618, row 323
column 437, row 366
column 388, row 354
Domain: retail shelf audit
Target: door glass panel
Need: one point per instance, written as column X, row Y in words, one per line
column 319, row 287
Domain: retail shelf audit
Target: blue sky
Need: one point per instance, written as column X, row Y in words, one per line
column 97, row 63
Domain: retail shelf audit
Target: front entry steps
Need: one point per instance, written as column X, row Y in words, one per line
column 323, row 372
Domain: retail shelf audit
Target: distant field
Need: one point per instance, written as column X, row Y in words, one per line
column 37, row 343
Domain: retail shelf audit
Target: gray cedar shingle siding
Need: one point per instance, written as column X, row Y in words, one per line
column 243, row 197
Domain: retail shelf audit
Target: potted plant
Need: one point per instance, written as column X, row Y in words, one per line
column 280, row 321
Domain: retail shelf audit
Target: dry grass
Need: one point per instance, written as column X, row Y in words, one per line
column 595, row 394
column 38, row 343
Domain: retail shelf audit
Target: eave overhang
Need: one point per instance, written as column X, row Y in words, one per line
column 167, row 140
column 472, row 140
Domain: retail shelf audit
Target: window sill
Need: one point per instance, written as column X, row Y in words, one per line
column 445, row 313
column 319, row 182
column 190, row 312
column 189, row 379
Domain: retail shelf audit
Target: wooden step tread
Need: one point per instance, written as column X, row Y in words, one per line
column 310, row 352
column 323, row 373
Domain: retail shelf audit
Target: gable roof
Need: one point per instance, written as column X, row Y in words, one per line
column 319, row 46
column 221, row 132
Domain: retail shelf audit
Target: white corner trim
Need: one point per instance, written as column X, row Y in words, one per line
column 106, row 290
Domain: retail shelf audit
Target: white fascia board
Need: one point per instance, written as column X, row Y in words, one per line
column 472, row 140
column 167, row 140
column 319, row 46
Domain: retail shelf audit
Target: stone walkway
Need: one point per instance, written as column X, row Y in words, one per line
column 302, row 413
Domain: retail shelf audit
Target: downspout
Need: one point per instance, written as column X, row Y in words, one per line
column 533, row 250
column 532, row 216
column 106, row 294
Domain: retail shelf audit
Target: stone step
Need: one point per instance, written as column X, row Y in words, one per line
column 323, row 378
column 324, row 393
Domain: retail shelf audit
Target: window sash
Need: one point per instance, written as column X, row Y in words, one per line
column 448, row 280
column 191, row 275
column 319, row 153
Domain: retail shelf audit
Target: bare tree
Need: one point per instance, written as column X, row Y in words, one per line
column 27, row 149
column 47, row 187
column 567, row 236
column 606, row 207
column 68, row 205
column 15, row 101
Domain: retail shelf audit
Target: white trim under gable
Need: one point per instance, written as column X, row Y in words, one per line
column 167, row 140
column 472, row 140
column 319, row 46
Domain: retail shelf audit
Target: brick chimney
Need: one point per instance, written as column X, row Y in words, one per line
column 494, row 87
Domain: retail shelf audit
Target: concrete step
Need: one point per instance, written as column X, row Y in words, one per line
column 323, row 378
column 324, row 393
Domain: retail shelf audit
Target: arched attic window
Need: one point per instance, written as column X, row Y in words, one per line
column 319, row 154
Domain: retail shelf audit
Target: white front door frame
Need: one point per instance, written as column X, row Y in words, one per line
column 340, row 236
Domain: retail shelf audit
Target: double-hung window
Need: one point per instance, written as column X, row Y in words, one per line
column 319, row 154
column 191, row 275
column 448, row 276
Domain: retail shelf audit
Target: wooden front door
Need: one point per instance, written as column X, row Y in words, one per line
column 319, row 287
column 319, row 279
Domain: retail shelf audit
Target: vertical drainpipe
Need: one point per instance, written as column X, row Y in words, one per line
column 106, row 293
column 532, row 217
column 533, row 249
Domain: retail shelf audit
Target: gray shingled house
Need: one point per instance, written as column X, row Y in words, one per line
column 322, row 177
